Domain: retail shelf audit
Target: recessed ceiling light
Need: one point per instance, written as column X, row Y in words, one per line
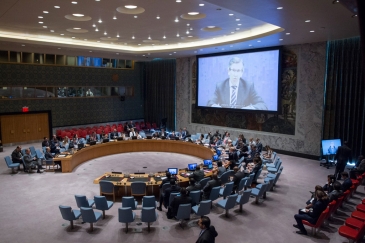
column 139, row 44
column 52, row 30
column 190, row 36
column 100, row 21
column 74, row 2
column 280, row 39
column 90, row 51
column 117, row 53
column 114, row 17
column 193, row 13
column 279, row 8
column 77, row 28
column 118, row 36
column 96, row 30
column 166, row 44
column 135, row 16
column 237, row 28
column 40, row 22
column 187, row 32
column 98, row 41
column 201, row 4
column 178, row 1
column 239, row 24
column 130, row 6
column 94, row 25
column 176, row 20
column 191, row 28
column 158, row 17
column 311, row 31
column 46, row 12
column 335, row 1
column 232, row 32
column 174, row 51
column 237, row 19
column 58, row 48
column 109, row 37
column 353, row 16
column 307, row 21
column 231, row 14
column 105, row 33
column 177, row 35
column 23, row 45
column 56, row 6
column 85, row 39
column 97, row 0
column 133, row 37
column 211, row 26
column 170, row 54
column 73, row 37
column 40, row 17
column 45, row 27
column 287, row 33
column 164, row 37
column 258, row 41
column 62, row 34
column 78, row 15
column 149, row 37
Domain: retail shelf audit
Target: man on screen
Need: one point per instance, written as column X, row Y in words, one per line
column 234, row 92
column 332, row 148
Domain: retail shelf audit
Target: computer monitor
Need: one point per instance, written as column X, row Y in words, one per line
column 215, row 157
column 80, row 146
column 192, row 166
column 149, row 137
column 134, row 137
column 105, row 140
column 208, row 163
column 120, row 138
column 219, row 152
column 173, row 171
column 330, row 146
column 92, row 143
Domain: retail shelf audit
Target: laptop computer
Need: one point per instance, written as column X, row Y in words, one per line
column 173, row 171
column 192, row 167
column 215, row 157
column 105, row 140
column 208, row 163
column 119, row 138
column 80, row 146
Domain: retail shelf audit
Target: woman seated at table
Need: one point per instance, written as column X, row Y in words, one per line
column 138, row 135
column 103, row 135
column 92, row 137
column 132, row 133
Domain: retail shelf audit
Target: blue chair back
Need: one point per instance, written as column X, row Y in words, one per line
column 23, row 152
column 214, row 194
column 138, row 188
column 88, row 215
column 172, row 196
column 242, row 183
column 165, row 186
column 68, row 214
column 231, row 201
column 203, row 182
column 44, row 149
column 245, row 197
column 39, row 154
column 195, row 196
column 228, row 189
column 250, row 180
column 8, row 160
column 82, row 201
column 106, row 186
column 184, row 211
column 277, row 177
column 101, row 203
column 225, row 177
column 125, row 215
column 263, row 189
column 32, row 150
column 257, row 174
column 128, row 202
column 148, row 214
column 204, row 207
column 148, row 202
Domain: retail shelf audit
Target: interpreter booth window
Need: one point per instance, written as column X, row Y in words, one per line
column 5, row 93
column 62, row 92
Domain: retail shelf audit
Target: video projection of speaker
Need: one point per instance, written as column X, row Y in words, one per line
column 246, row 80
column 330, row 146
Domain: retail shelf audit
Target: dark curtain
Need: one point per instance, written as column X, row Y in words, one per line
column 160, row 94
column 344, row 94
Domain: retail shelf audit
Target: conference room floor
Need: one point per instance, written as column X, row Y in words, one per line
column 29, row 204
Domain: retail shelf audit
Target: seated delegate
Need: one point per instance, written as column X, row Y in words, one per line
column 172, row 189
column 31, row 162
column 214, row 182
column 177, row 201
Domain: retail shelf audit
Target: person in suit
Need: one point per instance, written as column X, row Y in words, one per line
column 234, row 92
column 55, row 145
column 329, row 186
column 257, row 166
column 210, row 137
column 343, row 155
column 332, row 148
column 172, row 135
column 114, row 134
column 45, row 142
column 198, row 174
column 163, row 133
column 164, row 181
column 220, row 170
column 208, row 232
column 238, row 175
column 31, row 161
column 174, row 188
column 336, row 192
column 217, row 142
column 347, row 183
column 16, row 156
column 214, row 182
column 193, row 186
column 232, row 157
column 311, row 216
column 217, row 134
column 182, row 199
column 185, row 134
column 258, row 145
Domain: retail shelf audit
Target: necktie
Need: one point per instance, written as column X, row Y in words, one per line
column 234, row 95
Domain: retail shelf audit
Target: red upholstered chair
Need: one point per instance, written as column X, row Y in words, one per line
column 120, row 129
column 321, row 219
column 361, row 208
column 143, row 125
column 63, row 134
column 358, row 215
column 154, row 125
column 351, row 233
column 331, row 208
column 138, row 127
column 363, row 201
column 148, row 126
column 136, row 123
column 107, row 130
column 98, row 131
column 338, row 204
column 346, row 195
column 68, row 134
column 58, row 133
column 83, row 134
column 354, row 223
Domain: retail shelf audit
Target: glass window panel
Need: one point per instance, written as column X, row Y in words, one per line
column 5, row 92
column 106, row 62
column 121, row 63
column 71, row 92
column 51, row 91
column 40, row 92
column 80, row 92
column 128, row 63
column 114, row 62
column 70, row 61
column 90, row 91
column 100, row 91
column 38, row 58
column 129, row 91
column 62, row 92
column 4, row 56
column 28, row 92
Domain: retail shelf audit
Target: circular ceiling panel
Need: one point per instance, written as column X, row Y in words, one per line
column 211, row 28
column 151, row 41
column 195, row 16
column 125, row 10
column 75, row 18
column 109, row 38
column 77, row 30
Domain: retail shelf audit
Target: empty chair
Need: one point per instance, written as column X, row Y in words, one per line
column 250, row 180
column 149, row 201
column 183, row 213
column 39, row 154
column 270, row 181
column 227, row 190
column 129, row 202
column 214, row 194
column 148, row 215
column 228, row 203
column 107, row 188
column 355, row 234
column 225, row 177
column 242, row 184
column 126, row 215
column 69, row 214
column 244, row 198
column 32, row 151
column 102, row 204
column 89, row 216
column 195, row 196
column 203, row 208
column 259, row 192
column 82, row 201
column 138, row 188
column 10, row 164
column 203, row 182
column 274, row 169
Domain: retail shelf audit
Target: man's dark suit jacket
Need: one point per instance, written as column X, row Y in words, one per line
column 346, row 184
column 246, row 96
column 45, row 143
column 16, row 157
column 197, row 175
column 209, row 186
column 168, row 191
column 343, row 155
column 318, row 208
column 113, row 134
column 208, row 235
column 259, row 147
column 177, row 201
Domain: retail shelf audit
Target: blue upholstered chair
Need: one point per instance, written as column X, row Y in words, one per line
column 259, row 192
column 149, row 201
column 274, row 169
column 242, row 184
column 250, row 180
column 257, row 174
column 276, row 176
column 69, row 214
column 32, row 151
column 126, row 215
column 172, row 196
column 11, row 165
column 228, row 203
column 195, row 196
column 276, row 161
column 39, row 154
column 183, row 213
column 82, row 201
column 138, row 188
column 102, row 204
column 129, row 202
column 214, row 194
column 227, row 190
column 107, row 188
column 203, row 182
column 244, row 198
column 23, row 152
column 270, row 181
column 225, row 177
column 203, row 208
column 89, row 216
column 148, row 215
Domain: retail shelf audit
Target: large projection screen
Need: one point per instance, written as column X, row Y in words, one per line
column 247, row 80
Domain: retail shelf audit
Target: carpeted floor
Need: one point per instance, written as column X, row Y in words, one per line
column 29, row 205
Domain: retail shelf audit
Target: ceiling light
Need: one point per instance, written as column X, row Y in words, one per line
column 117, row 35
column 201, row 4
column 232, row 32
column 96, row 30
column 90, row 51
column 258, row 41
column 176, row 20
column 149, row 37
column 109, row 37
column 100, row 21
column 279, row 8
column 97, row 0
column 353, row 16
column 287, row 33
column 40, row 17
column 45, row 27
column 170, row 54
column 139, row 44
column 174, row 51
column 311, row 31
column 158, row 17
column 73, row 37
column 237, row 19
column 135, row 16
column 130, row 6
column 114, row 17
column 52, row 30
column 98, row 41
column 237, row 28
column 239, row 24
column 190, row 36
column 211, row 26
column 105, row 33
column 187, row 24
column 166, row 44
column 78, row 15
column 85, row 39
column 164, row 37
column 336, row 1
column 46, row 12
column 58, row 48
column 280, row 39
column 77, row 28
column 187, row 32
column 178, row 1
column 231, row 14
column 177, row 35
column 56, row 6
column 117, row 53
column 191, row 28
column 307, row 21
column 133, row 37
column 23, row 45
column 62, row 34
column 74, row 2
column 94, row 25
column 40, row 22
column 193, row 13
